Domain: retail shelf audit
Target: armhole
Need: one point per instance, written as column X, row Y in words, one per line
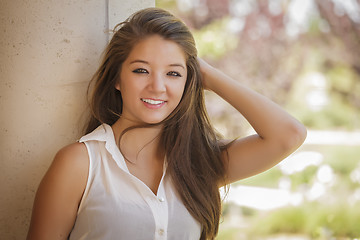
column 86, row 191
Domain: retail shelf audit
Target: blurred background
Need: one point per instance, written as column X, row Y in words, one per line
column 305, row 56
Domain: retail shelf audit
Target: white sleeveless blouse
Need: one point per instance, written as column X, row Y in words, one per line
column 117, row 205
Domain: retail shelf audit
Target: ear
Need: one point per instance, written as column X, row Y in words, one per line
column 117, row 85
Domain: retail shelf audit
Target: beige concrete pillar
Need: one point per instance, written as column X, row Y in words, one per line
column 49, row 51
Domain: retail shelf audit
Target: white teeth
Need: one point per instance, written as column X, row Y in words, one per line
column 150, row 101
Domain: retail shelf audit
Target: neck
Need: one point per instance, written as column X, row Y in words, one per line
column 138, row 143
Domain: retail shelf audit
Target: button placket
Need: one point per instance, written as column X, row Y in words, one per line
column 159, row 209
column 161, row 213
column 161, row 232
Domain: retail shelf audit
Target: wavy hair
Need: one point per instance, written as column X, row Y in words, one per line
column 191, row 145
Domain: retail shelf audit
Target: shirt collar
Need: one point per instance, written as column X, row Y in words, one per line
column 104, row 133
column 101, row 133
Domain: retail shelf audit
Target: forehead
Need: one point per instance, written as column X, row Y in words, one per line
column 154, row 48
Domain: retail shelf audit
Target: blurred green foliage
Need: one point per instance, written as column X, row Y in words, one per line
column 317, row 220
column 269, row 178
column 166, row 4
column 228, row 234
column 214, row 40
column 305, row 177
column 341, row 89
column 343, row 159
column 286, row 220
column 336, row 217
column 278, row 66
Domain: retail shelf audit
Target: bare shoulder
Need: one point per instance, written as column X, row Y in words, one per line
column 70, row 167
column 67, row 175
column 75, row 152
column 59, row 194
column 71, row 163
column 73, row 159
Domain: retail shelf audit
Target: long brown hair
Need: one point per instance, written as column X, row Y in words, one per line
column 191, row 145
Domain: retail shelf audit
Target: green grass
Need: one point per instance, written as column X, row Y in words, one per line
column 306, row 177
column 228, row 234
column 343, row 159
column 334, row 218
column 286, row 220
column 338, row 220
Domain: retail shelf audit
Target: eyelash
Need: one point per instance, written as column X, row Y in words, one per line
column 140, row 70
column 174, row 74
column 171, row 73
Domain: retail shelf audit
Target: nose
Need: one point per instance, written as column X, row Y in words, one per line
column 157, row 83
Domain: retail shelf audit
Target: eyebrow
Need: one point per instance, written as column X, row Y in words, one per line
column 140, row 61
column 145, row 62
column 177, row 65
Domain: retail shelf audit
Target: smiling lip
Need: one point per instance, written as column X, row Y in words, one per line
column 153, row 103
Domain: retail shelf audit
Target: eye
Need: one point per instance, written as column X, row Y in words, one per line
column 174, row 74
column 140, row 70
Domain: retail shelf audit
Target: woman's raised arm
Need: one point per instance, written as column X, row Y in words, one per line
column 278, row 133
column 59, row 194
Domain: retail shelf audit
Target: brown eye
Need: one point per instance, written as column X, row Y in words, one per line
column 174, row 74
column 140, row 70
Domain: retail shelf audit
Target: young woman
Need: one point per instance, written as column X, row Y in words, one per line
column 151, row 165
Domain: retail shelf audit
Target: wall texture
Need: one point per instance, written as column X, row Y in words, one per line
column 49, row 51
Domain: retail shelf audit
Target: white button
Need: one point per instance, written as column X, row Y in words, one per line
column 161, row 231
column 161, row 199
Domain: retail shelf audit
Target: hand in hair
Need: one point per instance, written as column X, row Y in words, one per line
column 205, row 68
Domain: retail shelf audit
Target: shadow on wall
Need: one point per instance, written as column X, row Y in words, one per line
column 49, row 52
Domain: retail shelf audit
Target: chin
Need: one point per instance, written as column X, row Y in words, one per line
column 153, row 118
column 150, row 120
column 153, row 121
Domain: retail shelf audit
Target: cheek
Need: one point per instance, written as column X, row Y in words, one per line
column 179, row 92
column 180, row 87
column 126, row 84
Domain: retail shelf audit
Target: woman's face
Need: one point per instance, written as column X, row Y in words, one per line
column 152, row 80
